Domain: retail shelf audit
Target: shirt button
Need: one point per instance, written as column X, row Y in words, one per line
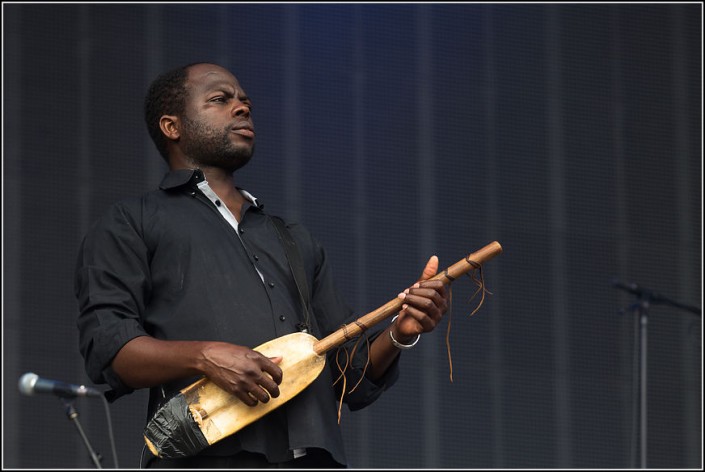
column 282, row 318
column 217, row 202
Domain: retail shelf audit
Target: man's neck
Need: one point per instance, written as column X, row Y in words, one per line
column 221, row 181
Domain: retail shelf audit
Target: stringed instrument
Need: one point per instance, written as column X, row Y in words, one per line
column 202, row 413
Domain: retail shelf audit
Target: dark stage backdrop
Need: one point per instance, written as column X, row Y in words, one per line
column 570, row 133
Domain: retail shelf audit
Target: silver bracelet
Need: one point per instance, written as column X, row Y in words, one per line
column 399, row 345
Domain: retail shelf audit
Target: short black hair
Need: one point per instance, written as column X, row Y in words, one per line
column 166, row 96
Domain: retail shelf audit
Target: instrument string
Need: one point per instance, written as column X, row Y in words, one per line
column 480, row 282
column 480, row 286
column 348, row 362
column 341, row 376
column 450, row 315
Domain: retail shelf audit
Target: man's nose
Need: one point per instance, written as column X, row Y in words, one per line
column 240, row 109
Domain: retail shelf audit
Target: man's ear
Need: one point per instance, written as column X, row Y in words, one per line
column 169, row 125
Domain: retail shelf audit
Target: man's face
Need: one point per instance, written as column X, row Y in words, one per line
column 217, row 129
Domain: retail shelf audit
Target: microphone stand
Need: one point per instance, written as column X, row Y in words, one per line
column 641, row 308
column 72, row 415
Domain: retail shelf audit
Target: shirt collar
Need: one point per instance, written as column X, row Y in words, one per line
column 181, row 177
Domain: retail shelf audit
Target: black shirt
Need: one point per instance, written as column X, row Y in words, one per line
column 169, row 265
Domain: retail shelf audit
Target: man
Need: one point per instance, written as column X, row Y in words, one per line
column 184, row 281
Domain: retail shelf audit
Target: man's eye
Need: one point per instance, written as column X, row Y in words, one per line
column 219, row 98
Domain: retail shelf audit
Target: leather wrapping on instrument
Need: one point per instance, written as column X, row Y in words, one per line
column 173, row 431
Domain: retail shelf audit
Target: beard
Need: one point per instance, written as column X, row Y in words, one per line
column 212, row 147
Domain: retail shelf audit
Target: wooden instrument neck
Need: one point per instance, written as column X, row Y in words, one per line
column 354, row 329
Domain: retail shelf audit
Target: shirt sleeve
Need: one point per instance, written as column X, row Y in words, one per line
column 111, row 286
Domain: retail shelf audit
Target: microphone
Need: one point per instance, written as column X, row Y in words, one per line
column 31, row 383
column 635, row 289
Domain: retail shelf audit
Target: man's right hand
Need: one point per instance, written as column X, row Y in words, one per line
column 247, row 374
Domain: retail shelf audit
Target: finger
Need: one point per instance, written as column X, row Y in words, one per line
column 260, row 393
column 434, row 289
column 247, row 398
column 439, row 287
column 435, row 285
column 427, row 323
column 425, row 294
column 431, row 268
column 426, row 301
column 420, row 308
column 267, row 383
column 270, row 367
column 260, row 389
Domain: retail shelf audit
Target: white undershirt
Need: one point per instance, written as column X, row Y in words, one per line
column 222, row 208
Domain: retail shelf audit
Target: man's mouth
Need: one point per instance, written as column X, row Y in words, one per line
column 244, row 130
